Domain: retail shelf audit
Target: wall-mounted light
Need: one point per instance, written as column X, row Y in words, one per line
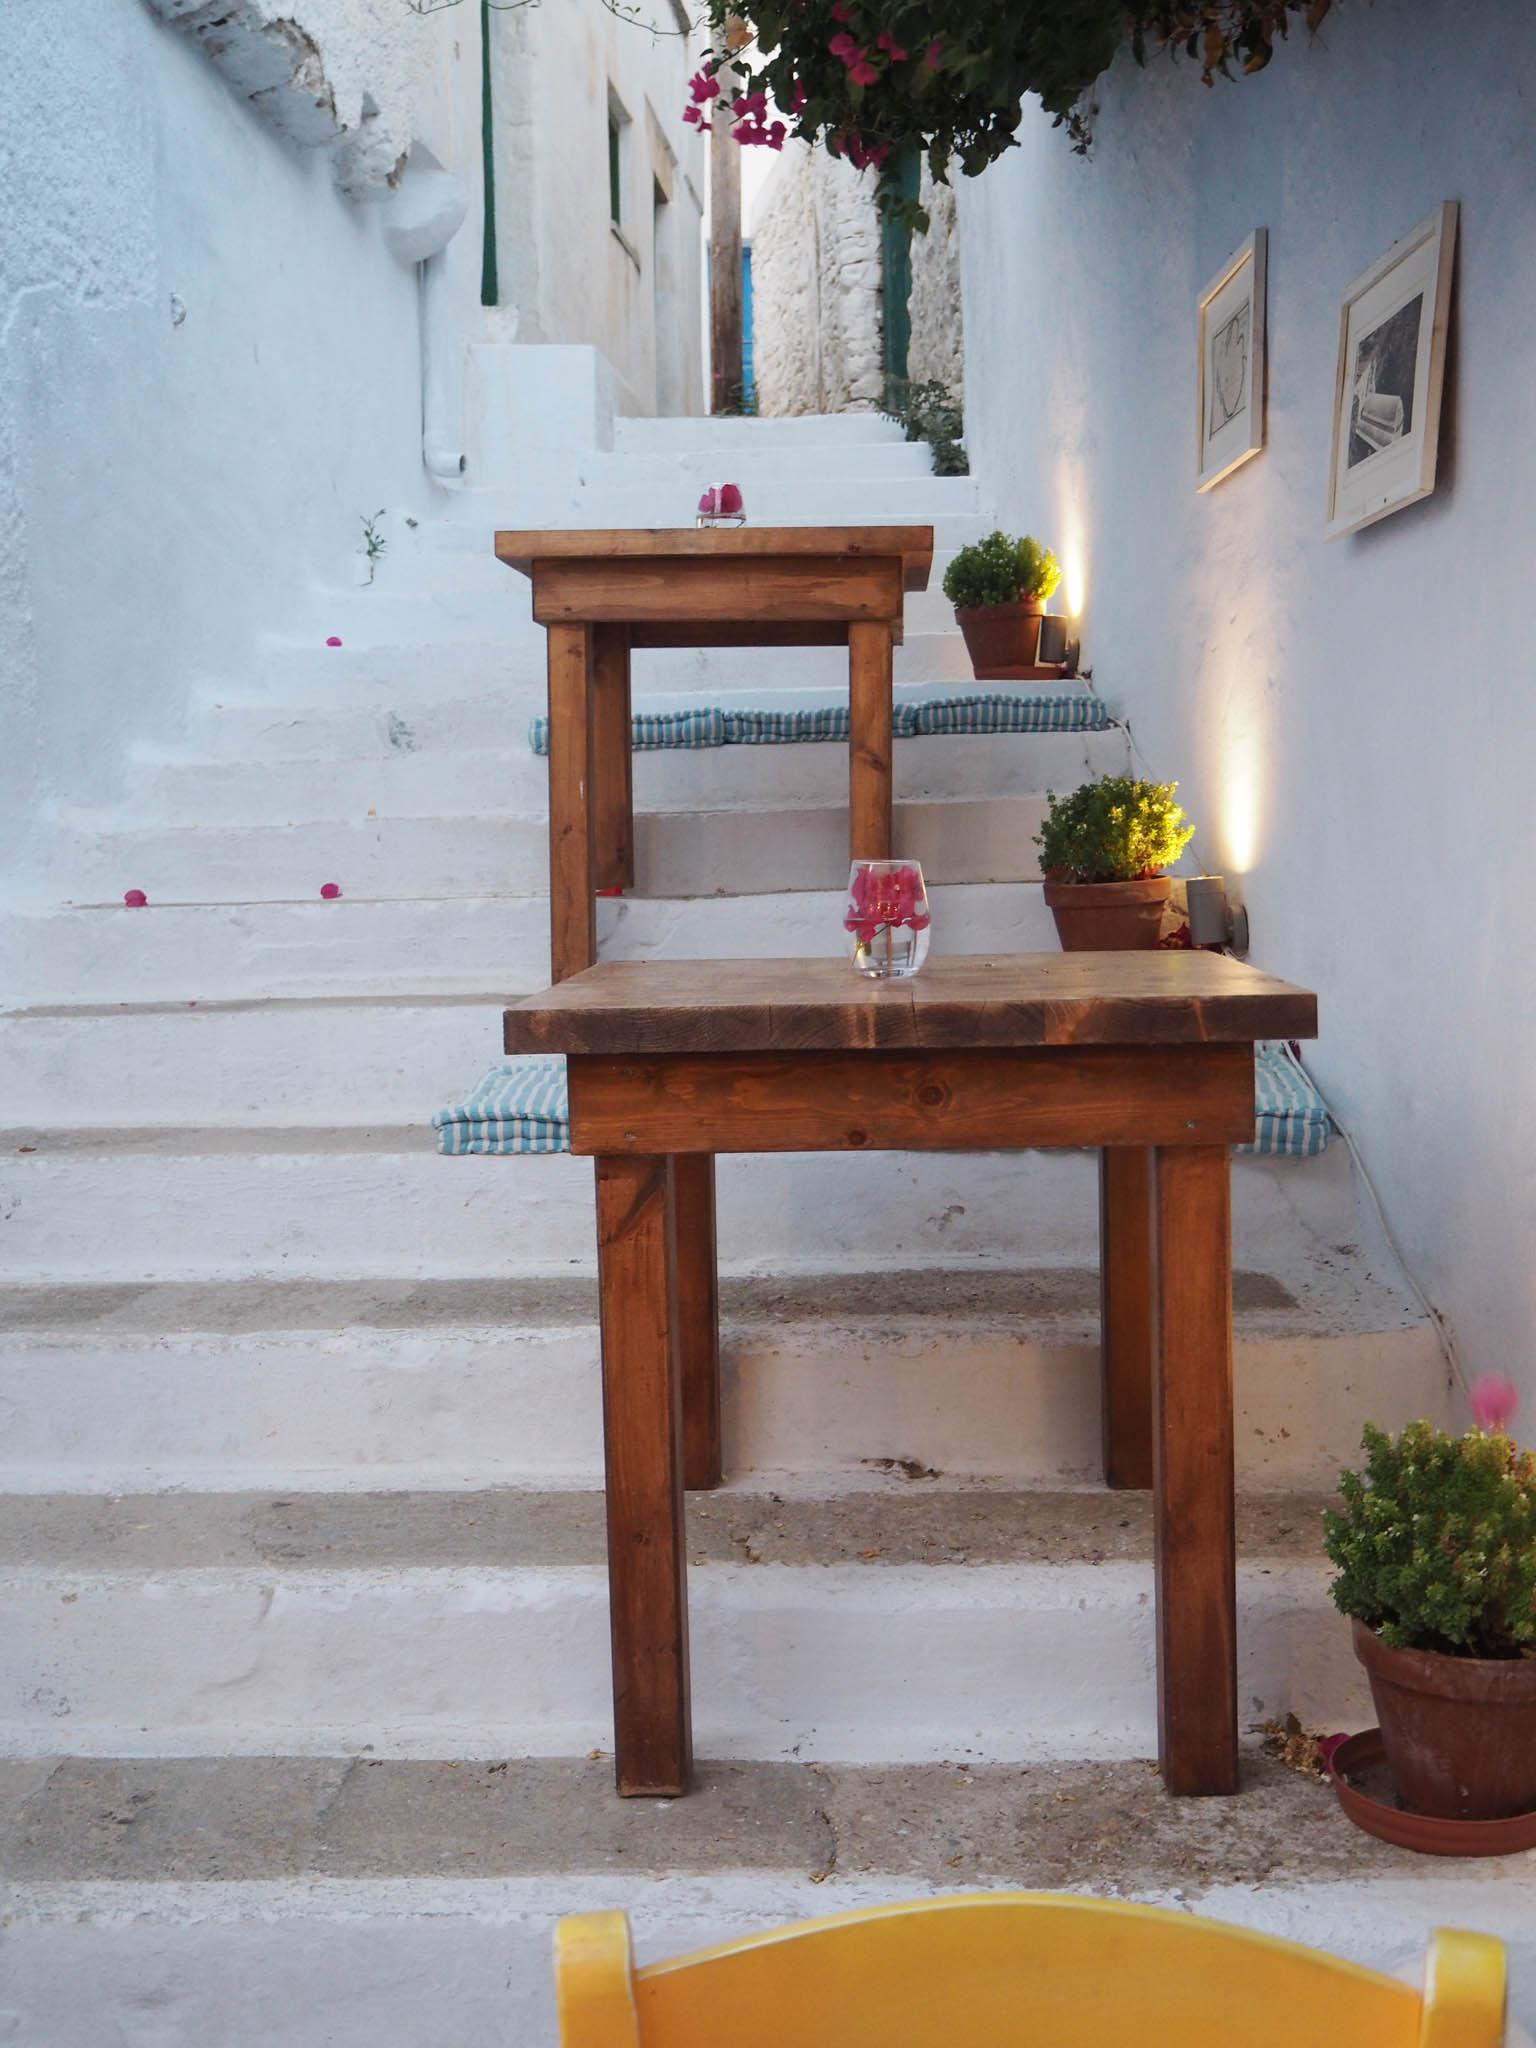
column 1213, row 921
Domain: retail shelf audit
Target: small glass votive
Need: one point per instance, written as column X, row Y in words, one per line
column 886, row 918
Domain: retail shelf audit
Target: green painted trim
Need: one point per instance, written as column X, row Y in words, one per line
column 490, row 289
column 902, row 179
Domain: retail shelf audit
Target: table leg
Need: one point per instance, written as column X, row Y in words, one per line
column 698, row 1317
column 1125, row 1312
column 869, row 739
column 642, row 1447
column 572, row 915
column 1192, row 1471
column 613, row 802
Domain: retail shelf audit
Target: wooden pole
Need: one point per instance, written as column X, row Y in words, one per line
column 725, row 376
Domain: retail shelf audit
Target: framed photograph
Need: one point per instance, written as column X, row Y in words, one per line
column 1229, row 347
column 1386, row 407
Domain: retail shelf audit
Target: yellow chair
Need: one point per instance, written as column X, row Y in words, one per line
column 1016, row 1970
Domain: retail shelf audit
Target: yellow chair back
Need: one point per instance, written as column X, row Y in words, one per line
column 1016, row 1970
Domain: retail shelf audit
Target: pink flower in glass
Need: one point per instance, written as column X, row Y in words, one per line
column 707, row 502
column 1494, row 1400
column 730, row 499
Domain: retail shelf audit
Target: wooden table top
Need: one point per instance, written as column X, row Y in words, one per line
column 963, row 1000
column 914, row 544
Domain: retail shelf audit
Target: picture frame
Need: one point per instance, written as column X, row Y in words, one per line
column 1230, row 362
column 1390, row 378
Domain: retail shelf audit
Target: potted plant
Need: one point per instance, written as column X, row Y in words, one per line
column 1436, row 1554
column 1103, row 850
column 998, row 588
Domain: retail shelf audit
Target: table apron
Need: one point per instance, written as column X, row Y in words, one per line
column 978, row 1100
column 775, row 590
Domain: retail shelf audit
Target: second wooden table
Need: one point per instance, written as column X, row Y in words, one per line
column 600, row 594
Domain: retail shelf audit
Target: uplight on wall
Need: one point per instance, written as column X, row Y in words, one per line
column 1213, row 921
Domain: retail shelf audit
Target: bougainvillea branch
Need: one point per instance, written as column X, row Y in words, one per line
column 874, row 78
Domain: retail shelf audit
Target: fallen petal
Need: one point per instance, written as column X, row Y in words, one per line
column 135, row 898
column 330, row 891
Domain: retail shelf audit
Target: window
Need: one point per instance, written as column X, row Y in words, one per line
column 615, row 183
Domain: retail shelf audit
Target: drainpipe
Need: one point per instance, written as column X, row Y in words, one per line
column 425, row 212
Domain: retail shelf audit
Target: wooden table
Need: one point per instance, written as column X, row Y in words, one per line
column 599, row 594
column 1148, row 1056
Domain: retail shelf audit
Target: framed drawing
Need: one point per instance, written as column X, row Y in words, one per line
column 1386, row 405
column 1229, row 338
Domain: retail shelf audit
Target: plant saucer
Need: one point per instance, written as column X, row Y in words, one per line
column 1364, row 1785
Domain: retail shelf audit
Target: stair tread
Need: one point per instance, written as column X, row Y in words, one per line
column 1048, row 1826
column 914, row 1521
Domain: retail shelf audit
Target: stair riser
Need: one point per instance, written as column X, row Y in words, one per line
column 209, row 953
column 319, row 1065
column 360, row 1409
column 343, row 1211
column 817, row 431
column 863, row 1664
column 503, row 775
column 952, row 506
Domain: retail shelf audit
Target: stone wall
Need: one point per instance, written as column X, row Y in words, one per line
column 816, row 289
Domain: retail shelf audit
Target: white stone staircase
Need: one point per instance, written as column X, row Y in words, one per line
column 301, row 1453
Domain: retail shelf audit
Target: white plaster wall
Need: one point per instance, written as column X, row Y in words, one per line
column 566, row 275
column 816, row 288
column 1352, row 722
column 168, row 492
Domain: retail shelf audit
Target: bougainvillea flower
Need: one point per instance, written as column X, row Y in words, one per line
column 876, row 900
column 798, row 101
column 707, row 502
column 729, row 499
column 845, row 47
column 776, row 135
column 862, row 73
column 839, row 11
column 1494, row 1400
column 1326, row 1747
column 697, row 120
column 330, row 891
column 702, row 86
column 135, row 899
column 333, row 641
column 887, row 42
column 933, row 53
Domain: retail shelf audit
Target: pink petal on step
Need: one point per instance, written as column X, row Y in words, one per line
column 330, row 891
column 333, row 641
column 135, row 899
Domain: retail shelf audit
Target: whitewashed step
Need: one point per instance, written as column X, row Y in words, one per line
column 987, row 1377
column 427, row 778
column 803, row 432
column 477, row 1626
column 318, row 1061
column 352, row 1201
column 757, row 465
column 195, row 952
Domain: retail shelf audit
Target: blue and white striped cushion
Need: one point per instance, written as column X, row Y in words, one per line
column 1003, row 711
column 1291, row 1119
column 704, row 727
column 520, row 1106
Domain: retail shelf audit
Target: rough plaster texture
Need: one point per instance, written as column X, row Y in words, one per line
column 208, row 364
column 816, row 288
column 937, row 347
column 1339, row 715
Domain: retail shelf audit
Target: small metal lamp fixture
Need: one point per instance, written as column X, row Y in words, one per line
column 1213, row 921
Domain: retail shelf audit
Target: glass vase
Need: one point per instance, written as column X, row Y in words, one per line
column 886, row 918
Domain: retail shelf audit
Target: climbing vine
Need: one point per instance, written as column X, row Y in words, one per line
column 871, row 78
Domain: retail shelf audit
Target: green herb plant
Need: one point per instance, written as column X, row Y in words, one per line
column 1116, row 830
column 999, row 570
column 374, row 542
column 1436, row 1542
column 929, row 411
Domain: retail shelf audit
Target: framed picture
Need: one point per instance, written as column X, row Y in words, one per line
column 1386, row 407
column 1229, row 337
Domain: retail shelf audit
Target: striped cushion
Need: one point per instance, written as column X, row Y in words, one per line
column 1002, row 711
column 704, row 727
column 1291, row 1119
column 765, row 727
column 520, row 1106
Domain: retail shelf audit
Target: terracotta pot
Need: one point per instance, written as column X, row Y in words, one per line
column 1002, row 638
column 1108, row 917
column 1459, row 1732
